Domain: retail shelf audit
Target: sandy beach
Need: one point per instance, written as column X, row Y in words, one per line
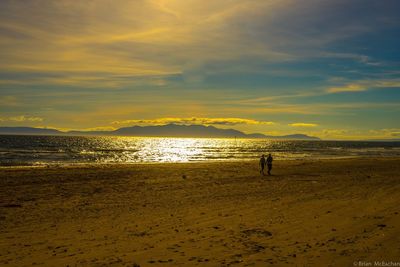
column 341, row 212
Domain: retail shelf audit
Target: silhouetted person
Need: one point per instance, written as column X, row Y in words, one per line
column 262, row 164
column 269, row 163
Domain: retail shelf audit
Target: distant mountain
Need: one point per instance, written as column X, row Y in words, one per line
column 170, row 130
column 174, row 130
column 29, row 131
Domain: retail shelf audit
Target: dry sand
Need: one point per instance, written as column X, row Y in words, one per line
column 309, row 213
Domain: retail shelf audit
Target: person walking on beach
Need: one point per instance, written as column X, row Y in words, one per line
column 269, row 163
column 262, row 164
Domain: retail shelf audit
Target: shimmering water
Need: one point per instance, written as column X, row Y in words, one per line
column 38, row 150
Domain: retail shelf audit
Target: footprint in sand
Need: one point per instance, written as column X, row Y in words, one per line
column 257, row 231
column 192, row 258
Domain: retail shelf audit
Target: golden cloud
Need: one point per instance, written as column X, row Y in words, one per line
column 100, row 128
column 21, row 118
column 388, row 133
column 302, row 124
column 132, row 39
column 347, row 88
column 195, row 120
column 364, row 85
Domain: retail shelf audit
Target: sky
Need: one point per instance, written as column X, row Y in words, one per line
column 327, row 68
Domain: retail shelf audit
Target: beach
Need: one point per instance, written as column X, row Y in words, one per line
column 338, row 212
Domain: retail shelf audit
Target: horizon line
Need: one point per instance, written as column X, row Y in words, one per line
column 267, row 137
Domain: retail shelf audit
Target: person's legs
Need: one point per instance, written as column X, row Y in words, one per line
column 262, row 170
column 269, row 169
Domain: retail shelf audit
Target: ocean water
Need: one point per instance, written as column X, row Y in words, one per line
column 55, row 150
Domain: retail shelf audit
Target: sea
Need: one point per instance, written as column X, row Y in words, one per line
column 18, row 150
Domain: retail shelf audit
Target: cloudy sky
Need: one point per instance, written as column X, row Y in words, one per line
column 325, row 68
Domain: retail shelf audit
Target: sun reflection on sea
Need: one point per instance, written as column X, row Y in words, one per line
column 180, row 150
column 164, row 149
column 36, row 150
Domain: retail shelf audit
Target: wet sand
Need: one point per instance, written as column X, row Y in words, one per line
column 308, row 213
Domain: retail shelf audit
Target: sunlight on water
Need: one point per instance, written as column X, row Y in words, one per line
column 179, row 150
column 36, row 150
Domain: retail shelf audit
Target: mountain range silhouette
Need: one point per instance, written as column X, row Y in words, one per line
column 168, row 130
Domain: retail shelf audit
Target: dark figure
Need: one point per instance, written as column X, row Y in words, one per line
column 269, row 163
column 262, row 164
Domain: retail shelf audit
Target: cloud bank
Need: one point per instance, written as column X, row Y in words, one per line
column 21, row 118
column 194, row 120
column 303, row 124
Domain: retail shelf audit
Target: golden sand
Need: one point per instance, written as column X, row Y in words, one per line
column 308, row 213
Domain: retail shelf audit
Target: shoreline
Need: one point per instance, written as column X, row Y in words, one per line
column 127, row 164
